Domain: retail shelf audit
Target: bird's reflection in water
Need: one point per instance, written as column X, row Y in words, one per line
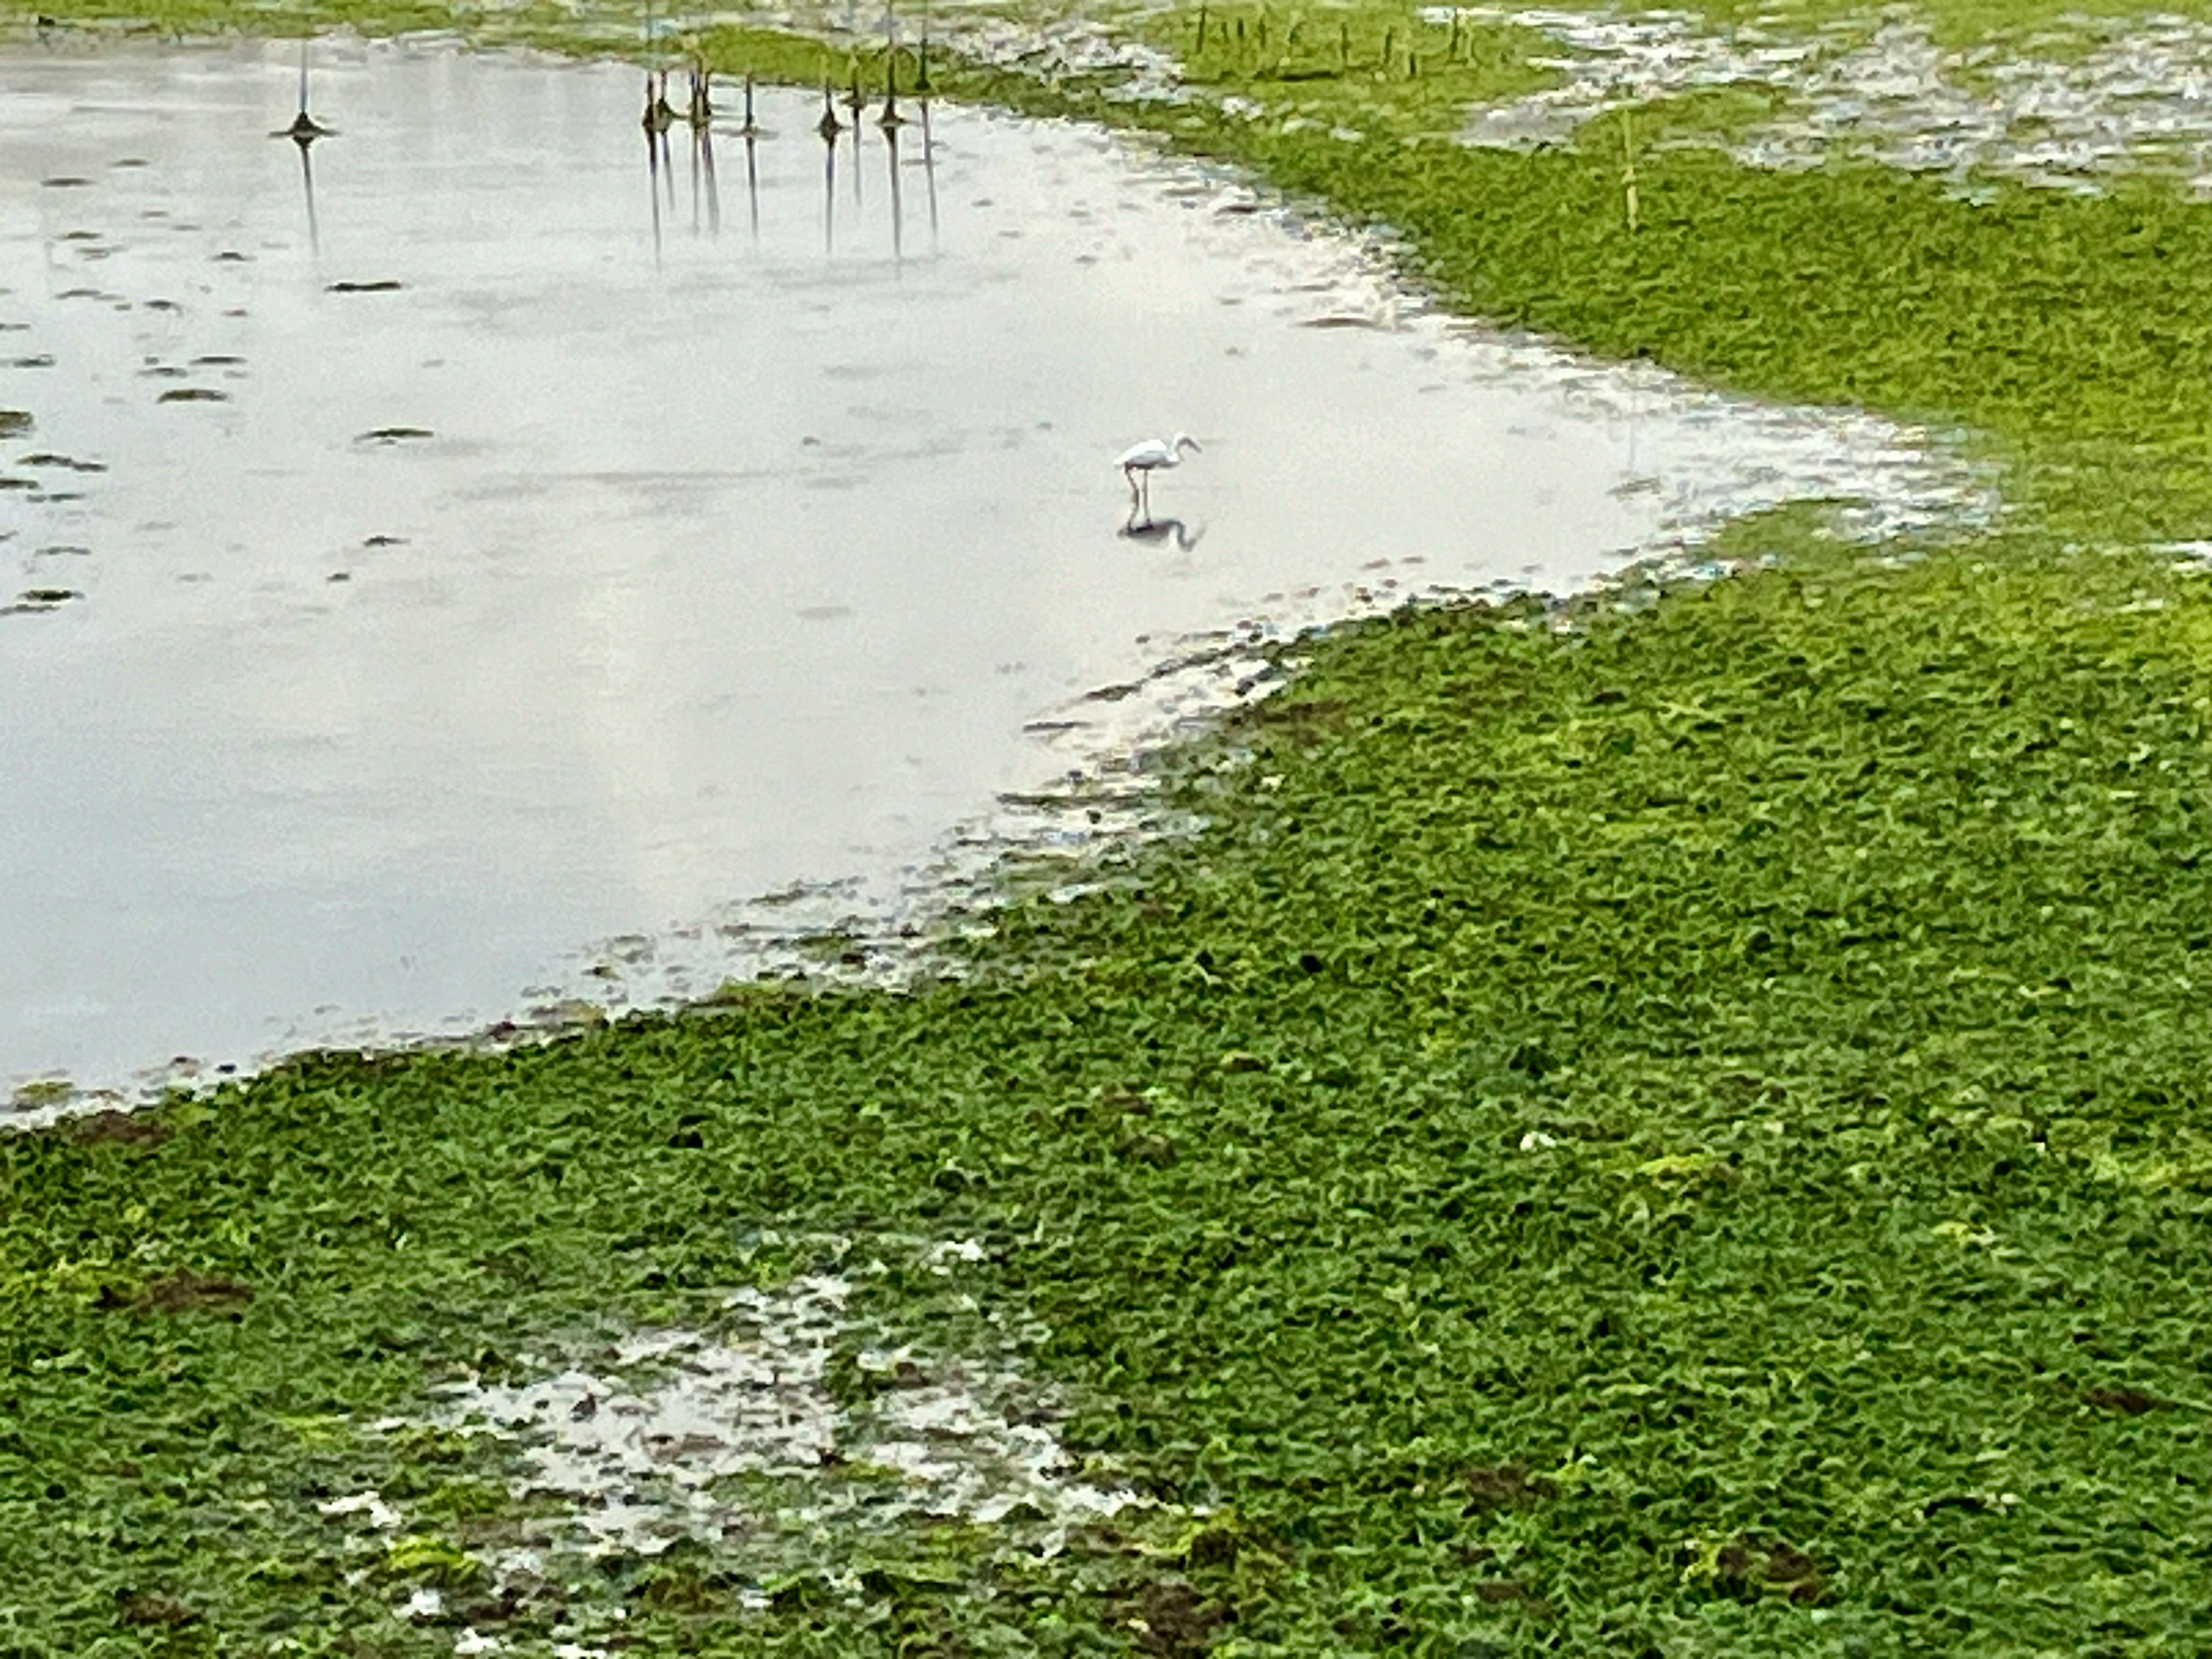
column 1157, row 532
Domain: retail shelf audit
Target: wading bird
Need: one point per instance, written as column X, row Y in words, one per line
column 1139, row 461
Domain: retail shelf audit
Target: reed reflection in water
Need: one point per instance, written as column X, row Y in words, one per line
column 832, row 126
column 303, row 131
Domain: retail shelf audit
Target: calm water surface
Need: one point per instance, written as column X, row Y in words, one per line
column 486, row 543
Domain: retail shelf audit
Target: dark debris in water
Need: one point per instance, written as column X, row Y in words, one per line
column 194, row 394
column 14, row 423
column 386, row 285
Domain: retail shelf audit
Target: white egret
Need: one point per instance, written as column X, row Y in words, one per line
column 1139, row 461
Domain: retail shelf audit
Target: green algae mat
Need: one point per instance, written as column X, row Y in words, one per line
column 1670, row 1128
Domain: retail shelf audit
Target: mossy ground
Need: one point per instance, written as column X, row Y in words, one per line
column 1683, row 1132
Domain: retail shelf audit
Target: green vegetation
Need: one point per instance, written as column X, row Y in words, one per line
column 1672, row 1129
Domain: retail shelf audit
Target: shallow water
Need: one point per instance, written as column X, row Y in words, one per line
column 381, row 647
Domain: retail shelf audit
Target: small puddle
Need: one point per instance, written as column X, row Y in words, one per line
column 477, row 532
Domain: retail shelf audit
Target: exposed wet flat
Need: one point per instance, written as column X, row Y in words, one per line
column 505, row 546
column 2073, row 108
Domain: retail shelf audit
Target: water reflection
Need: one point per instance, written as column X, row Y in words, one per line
column 856, row 106
column 702, row 162
column 751, row 133
column 827, row 126
column 307, row 189
column 303, row 131
column 929, row 158
column 656, row 143
column 898, row 211
column 702, row 113
column 1156, row 531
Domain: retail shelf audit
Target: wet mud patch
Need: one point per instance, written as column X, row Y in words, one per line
column 183, row 1291
column 1750, row 1566
column 841, row 1442
column 118, row 1128
column 1166, row 1617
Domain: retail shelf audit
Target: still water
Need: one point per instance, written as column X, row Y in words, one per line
column 482, row 536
